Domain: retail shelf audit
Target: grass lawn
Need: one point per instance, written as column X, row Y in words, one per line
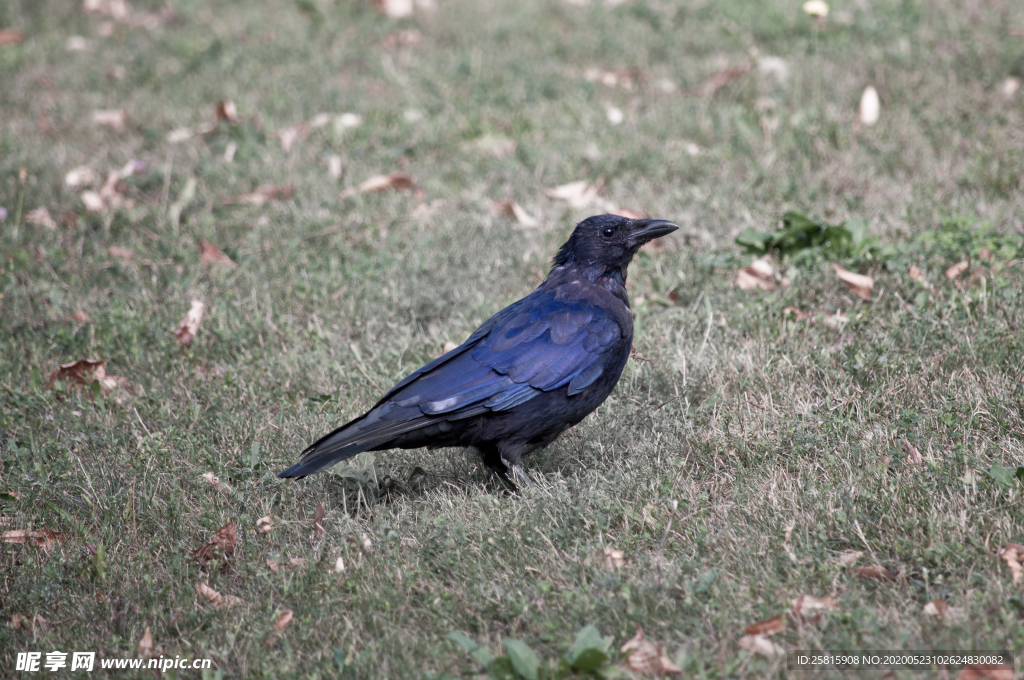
column 756, row 443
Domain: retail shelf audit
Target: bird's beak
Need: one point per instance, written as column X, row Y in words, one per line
column 648, row 230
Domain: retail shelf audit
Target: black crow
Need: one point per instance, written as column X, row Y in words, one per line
column 533, row 370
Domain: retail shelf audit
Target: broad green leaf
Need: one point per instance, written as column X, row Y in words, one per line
column 1019, row 474
column 1002, row 476
column 858, row 229
column 589, row 660
column 524, row 659
column 480, row 653
column 589, row 637
column 502, row 669
column 754, row 240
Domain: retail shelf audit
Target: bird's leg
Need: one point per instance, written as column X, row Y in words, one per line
column 519, row 476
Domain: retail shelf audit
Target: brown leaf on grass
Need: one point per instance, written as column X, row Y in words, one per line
column 41, row 217
column 41, row 538
column 720, row 79
column 759, row 275
column 283, row 620
column 83, row 372
column 81, row 176
column 216, row 599
column 409, row 37
column 986, row 672
column 221, row 546
column 299, row 562
column 93, row 202
column 120, row 253
column 274, row 565
column 622, row 77
column 1012, row 554
column 767, row 627
column 985, row 255
column 226, row 111
column 510, row 208
column 613, row 558
column 214, row 481
column 145, row 649
column 11, row 36
column 18, row 621
column 578, row 194
column 940, row 609
column 79, row 317
column 262, row 195
column 210, row 254
column 956, row 270
column 265, row 524
column 189, row 326
column 760, row 645
column 318, row 519
column 876, row 572
column 398, row 181
column 646, row 658
column 288, row 136
column 809, row 607
column 858, row 283
column 913, row 455
column 113, row 118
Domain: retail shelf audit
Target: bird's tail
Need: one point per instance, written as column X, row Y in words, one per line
column 362, row 434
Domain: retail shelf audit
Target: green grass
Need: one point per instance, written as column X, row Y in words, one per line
column 758, row 425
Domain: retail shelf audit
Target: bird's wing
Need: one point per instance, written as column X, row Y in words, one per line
column 537, row 345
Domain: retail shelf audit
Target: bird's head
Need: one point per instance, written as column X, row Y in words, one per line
column 610, row 241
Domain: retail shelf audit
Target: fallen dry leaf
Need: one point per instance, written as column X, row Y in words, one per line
column 287, row 136
column 399, row 181
column 17, row 621
column 760, row 645
column 83, row 372
column 226, row 111
column 613, row 558
column 339, row 565
column 299, row 562
column 577, row 194
column 262, row 195
column 1012, row 554
column 759, row 275
column 93, row 202
column 189, row 326
column 956, row 270
column 214, row 481
column 913, row 455
column 41, row 216
column 10, row 36
column 145, row 648
column 265, row 525
column 120, row 253
column 623, row 77
column 848, row 557
column 80, row 176
column 986, row 672
column 869, row 108
column 766, row 627
column 41, row 538
column 985, row 255
column 877, row 573
column 808, row 606
column 210, row 254
column 80, row 317
column 318, row 519
column 940, row 609
column 720, row 79
column 510, row 208
column 1010, row 86
column 858, row 283
column 646, row 658
column 114, row 118
column 274, row 565
column 221, row 546
column 283, row 620
column 216, row 599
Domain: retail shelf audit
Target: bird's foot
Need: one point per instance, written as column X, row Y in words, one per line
column 519, row 476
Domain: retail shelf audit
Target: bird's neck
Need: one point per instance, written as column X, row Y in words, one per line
column 613, row 279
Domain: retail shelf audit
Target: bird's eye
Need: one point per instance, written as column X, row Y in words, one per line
column 608, row 232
